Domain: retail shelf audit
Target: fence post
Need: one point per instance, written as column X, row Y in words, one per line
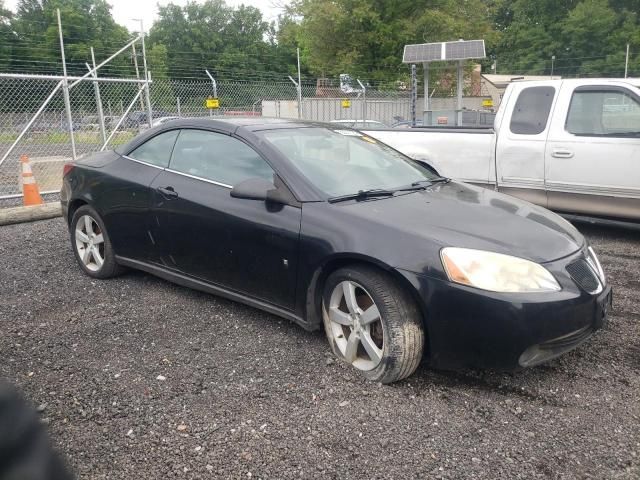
column 147, row 77
column 65, row 88
column 364, row 101
column 299, row 86
column 299, row 89
column 178, row 105
column 414, row 94
column 426, row 86
column 135, row 65
column 96, row 87
column 459, row 92
column 215, row 89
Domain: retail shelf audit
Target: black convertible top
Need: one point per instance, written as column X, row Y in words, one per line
column 228, row 125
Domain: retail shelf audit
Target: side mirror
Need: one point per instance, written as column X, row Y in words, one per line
column 253, row 189
column 259, row 189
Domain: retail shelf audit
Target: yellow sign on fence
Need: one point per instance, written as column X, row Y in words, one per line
column 346, row 103
column 487, row 103
column 213, row 103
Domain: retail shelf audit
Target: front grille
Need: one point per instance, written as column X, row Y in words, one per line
column 584, row 275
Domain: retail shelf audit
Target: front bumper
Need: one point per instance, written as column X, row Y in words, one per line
column 468, row 327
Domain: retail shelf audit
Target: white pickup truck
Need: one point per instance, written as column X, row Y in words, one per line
column 569, row 145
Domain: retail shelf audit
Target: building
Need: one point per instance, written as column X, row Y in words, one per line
column 494, row 85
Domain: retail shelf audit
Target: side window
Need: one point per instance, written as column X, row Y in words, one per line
column 603, row 113
column 532, row 109
column 157, row 150
column 217, row 157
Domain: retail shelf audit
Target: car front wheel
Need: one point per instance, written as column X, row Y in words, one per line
column 372, row 323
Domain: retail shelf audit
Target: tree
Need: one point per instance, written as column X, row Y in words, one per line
column 85, row 24
column 366, row 37
column 7, row 37
column 230, row 43
column 587, row 37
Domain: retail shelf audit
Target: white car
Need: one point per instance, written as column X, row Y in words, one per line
column 162, row 120
column 360, row 124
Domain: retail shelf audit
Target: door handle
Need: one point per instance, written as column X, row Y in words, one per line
column 167, row 192
column 561, row 153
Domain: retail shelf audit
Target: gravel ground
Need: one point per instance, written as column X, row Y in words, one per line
column 138, row 378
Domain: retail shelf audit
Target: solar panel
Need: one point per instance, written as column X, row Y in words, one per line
column 424, row 52
column 464, row 50
column 435, row 52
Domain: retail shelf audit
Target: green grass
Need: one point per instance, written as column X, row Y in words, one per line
column 55, row 138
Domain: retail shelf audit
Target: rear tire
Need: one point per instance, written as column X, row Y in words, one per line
column 91, row 244
column 372, row 323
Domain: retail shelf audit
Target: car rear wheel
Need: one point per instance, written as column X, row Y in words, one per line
column 372, row 324
column 91, row 244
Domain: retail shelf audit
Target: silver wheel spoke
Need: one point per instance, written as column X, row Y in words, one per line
column 351, row 351
column 349, row 290
column 370, row 315
column 338, row 316
column 342, row 309
column 88, row 242
column 81, row 237
column 375, row 354
column 86, row 256
column 96, row 257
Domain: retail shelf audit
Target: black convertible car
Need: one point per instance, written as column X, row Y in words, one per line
column 324, row 225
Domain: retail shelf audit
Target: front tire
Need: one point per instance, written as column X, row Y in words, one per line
column 91, row 244
column 372, row 324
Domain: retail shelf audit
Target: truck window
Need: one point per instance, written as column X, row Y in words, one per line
column 603, row 112
column 532, row 109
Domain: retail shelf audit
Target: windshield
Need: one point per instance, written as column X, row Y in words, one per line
column 341, row 162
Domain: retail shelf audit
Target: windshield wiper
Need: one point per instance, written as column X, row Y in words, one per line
column 362, row 194
column 431, row 181
column 423, row 184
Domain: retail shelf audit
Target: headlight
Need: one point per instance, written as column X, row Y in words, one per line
column 496, row 272
column 595, row 264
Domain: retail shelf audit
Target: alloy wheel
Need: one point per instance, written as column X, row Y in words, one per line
column 356, row 325
column 90, row 243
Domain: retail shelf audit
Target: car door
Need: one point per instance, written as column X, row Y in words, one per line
column 521, row 144
column 593, row 152
column 248, row 246
column 127, row 195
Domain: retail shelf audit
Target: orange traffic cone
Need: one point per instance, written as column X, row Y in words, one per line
column 30, row 192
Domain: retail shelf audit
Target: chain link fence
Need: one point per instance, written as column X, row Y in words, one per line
column 48, row 140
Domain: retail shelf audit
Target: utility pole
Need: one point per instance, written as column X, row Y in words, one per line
column 553, row 59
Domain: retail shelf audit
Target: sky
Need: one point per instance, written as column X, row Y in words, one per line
column 124, row 10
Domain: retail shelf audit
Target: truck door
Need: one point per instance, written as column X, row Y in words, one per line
column 593, row 152
column 520, row 149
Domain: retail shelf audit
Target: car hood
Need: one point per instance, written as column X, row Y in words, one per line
column 462, row 215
